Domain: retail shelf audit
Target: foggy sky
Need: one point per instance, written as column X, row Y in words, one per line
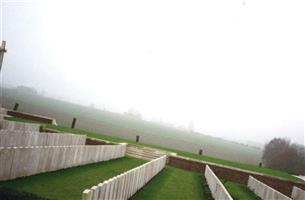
column 233, row 68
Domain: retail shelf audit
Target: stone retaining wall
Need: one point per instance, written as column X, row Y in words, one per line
column 235, row 175
column 25, row 161
column 264, row 191
column 126, row 184
column 10, row 138
column 32, row 117
column 218, row 190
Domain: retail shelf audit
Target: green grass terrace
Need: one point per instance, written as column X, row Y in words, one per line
column 262, row 170
column 69, row 183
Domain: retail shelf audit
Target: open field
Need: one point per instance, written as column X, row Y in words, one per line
column 239, row 191
column 113, row 124
column 70, row 183
column 253, row 168
column 173, row 183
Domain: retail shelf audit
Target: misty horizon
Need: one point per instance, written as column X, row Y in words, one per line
column 159, row 121
column 238, row 76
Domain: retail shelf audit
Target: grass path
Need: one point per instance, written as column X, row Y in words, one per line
column 173, row 183
column 68, row 184
column 239, row 191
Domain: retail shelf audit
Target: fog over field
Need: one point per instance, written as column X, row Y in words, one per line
column 230, row 69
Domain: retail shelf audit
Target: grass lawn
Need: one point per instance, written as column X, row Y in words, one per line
column 262, row 170
column 173, row 183
column 69, row 183
column 253, row 168
column 239, row 191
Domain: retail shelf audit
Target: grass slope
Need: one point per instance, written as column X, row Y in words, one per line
column 253, row 168
column 239, row 191
column 127, row 127
column 69, row 183
column 173, row 183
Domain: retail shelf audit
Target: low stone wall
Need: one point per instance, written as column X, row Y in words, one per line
column 297, row 194
column 10, row 138
column 30, row 116
column 11, row 125
column 126, row 184
column 25, row 161
column 264, row 191
column 217, row 188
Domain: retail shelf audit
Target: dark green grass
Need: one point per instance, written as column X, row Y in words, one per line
column 173, row 183
column 70, row 183
column 239, row 191
column 263, row 170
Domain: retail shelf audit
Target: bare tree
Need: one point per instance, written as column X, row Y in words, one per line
column 280, row 154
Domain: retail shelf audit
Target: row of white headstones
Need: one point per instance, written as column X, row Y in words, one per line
column 261, row 189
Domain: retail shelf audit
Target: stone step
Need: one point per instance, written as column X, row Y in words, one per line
column 144, row 150
column 144, row 154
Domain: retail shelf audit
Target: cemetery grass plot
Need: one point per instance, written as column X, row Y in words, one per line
column 253, row 168
column 262, row 170
column 239, row 191
column 70, row 183
column 173, row 183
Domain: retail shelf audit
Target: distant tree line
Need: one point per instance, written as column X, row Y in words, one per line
column 283, row 155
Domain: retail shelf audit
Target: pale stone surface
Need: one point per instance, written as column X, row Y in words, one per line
column 6, row 160
column 297, row 193
column 9, row 138
column 111, row 183
column 87, row 195
column 94, row 191
column 217, row 188
column 24, row 161
column 107, row 190
column 264, row 191
column 10, row 125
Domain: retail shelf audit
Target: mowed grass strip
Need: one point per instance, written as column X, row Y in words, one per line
column 173, row 183
column 239, row 191
column 69, row 183
column 263, row 170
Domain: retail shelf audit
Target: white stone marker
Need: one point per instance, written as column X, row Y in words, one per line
column 264, row 191
column 297, row 193
column 218, row 190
